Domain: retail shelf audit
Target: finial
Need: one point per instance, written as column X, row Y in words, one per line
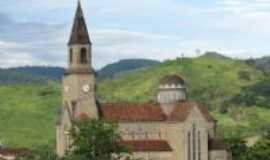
column 78, row 3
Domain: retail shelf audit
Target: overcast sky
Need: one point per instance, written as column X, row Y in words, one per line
column 35, row 32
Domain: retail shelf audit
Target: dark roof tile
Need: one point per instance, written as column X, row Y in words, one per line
column 172, row 79
column 131, row 112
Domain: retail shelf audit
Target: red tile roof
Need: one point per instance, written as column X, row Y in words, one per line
column 181, row 112
column 13, row 152
column 216, row 144
column 148, row 112
column 131, row 112
column 147, row 145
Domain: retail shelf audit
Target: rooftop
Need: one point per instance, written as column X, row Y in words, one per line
column 129, row 112
column 172, row 79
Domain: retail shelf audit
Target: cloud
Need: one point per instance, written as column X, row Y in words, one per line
column 113, row 44
column 107, row 37
column 27, row 43
column 9, row 45
column 35, row 32
column 246, row 16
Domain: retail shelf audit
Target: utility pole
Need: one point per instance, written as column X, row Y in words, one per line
column 182, row 58
column 198, row 52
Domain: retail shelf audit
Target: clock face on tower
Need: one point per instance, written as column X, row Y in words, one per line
column 86, row 88
column 66, row 88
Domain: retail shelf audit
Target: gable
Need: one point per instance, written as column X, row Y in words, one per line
column 184, row 109
column 196, row 115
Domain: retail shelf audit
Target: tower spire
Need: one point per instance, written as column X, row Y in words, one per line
column 79, row 32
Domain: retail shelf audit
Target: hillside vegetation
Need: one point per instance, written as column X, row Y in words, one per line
column 8, row 76
column 205, row 78
column 42, row 75
column 124, row 66
column 235, row 92
column 29, row 112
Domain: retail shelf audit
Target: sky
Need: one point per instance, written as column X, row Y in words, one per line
column 35, row 32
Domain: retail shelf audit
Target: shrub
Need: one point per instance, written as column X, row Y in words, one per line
column 244, row 75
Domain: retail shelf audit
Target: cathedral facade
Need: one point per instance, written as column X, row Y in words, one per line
column 173, row 128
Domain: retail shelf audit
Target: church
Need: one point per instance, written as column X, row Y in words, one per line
column 172, row 128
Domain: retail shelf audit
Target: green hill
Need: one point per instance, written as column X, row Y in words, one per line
column 42, row 75
column 124, row 66
column 12, row 76
column 28, row 113
column 205, row 77
column 223, row 85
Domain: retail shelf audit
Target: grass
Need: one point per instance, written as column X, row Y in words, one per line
column 27, row 115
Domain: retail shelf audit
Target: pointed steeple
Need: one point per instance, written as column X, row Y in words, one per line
column 79, row 33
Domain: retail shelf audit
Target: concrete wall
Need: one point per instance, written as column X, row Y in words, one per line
column 152, row 155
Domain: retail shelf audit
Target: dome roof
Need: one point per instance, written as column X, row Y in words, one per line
column 172, row 79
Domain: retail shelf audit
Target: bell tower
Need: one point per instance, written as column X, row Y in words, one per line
column 78, row 94
column 79, row 79
column 79, row 45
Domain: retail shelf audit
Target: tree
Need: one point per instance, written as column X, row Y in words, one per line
column 95, row 140
column 244, row 75
column 260, row 151
column 266, row 131
column 238, row 148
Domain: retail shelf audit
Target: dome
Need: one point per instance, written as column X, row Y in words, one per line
column 172, row 79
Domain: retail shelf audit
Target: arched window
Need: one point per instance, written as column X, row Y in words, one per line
column 83, row 56
column 199, row 145
column 74, row 109
column 189, row 146
column 194, row 141
column 70, row 55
